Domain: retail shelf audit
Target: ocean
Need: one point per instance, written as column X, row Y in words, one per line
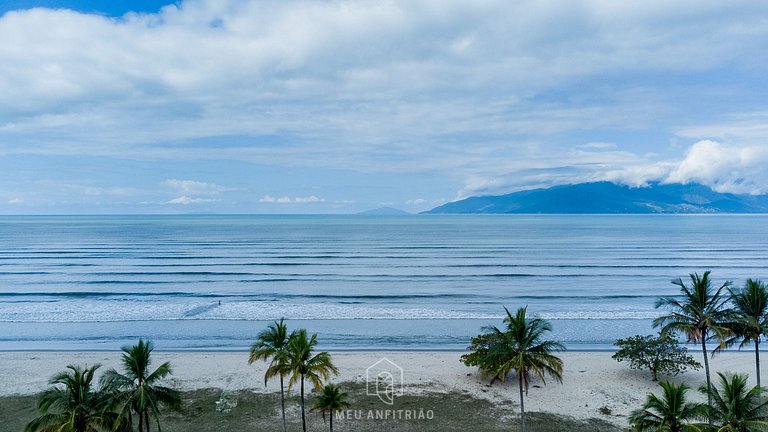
column 422, row 282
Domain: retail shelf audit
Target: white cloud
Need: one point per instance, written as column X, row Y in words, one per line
column 492, row 95
column 90, row 190
column 743, row 128
column 134, row 87
column 288, row 200
column 725, row 168
column 192, row 187
column 185, row 200
column 309, row 199
column 417, row 201
column 15, row 201
column 734, row 168
column 597, row 146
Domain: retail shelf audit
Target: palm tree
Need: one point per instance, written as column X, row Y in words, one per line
column 670, row 413
column 520, row 349
column 699, row 315
column 272, row 344
column 737, row 408
column 331, row 400
column 303, row 365
column 138, row 390
column 72, row 405
column 751, row 317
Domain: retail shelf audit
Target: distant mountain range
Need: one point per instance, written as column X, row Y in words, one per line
column 610, row 198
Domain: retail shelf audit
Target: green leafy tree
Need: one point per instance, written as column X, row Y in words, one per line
column 330, row 401
column 139, row 391
column 700, row 314
column 303, row 365
column 72, row 404
column 272, row 345
column 519, row 349
column 660, row 354
column 669, row 413
column 478, row 349
column 737, row 408
column 750, row 317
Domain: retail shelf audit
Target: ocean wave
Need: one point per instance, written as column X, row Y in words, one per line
column 275, row 296
column 112, row 311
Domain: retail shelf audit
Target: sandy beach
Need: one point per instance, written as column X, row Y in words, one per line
column 591, row 381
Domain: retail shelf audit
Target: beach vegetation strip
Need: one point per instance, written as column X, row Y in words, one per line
column 450, row 411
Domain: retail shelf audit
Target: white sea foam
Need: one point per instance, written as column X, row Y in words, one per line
column 105, row 311
column 610, row 270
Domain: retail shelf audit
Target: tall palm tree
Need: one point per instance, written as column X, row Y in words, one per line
column 737, row 408
column 72, row 404
column 520, row 349
column 331, row 400
column 272, row 345
column 668, row 413
column 303, row 365
column 700, row 314
column 137, row 390
column 751, row 317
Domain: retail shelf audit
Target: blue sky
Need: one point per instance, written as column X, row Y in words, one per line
column 340, row 106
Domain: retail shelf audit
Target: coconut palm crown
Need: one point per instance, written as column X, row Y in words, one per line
column 304, row 365
column 700, row 314
column 139, row 391
column 272, row 345
column 520, row 349
column 737, row 408
column 72, row 404
column 750, row 317
column 330, row 401
column 669, row 413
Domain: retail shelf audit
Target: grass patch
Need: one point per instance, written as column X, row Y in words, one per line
column 261, row 412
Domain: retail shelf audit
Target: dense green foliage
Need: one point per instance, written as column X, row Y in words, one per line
column 331, row 400
column 303, row 364
column 736, row 406
column 661, row 355
column 671, row 412
column 137, row 391
column 272, row 345
column 518, row 349
column 72, row 404
column 702, row 313
column 750, row 317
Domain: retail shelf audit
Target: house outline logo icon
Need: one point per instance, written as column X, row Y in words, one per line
column 385, row 380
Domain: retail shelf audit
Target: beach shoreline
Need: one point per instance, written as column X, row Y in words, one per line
column 593, row 383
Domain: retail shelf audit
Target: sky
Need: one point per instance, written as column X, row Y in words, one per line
column 283, row 106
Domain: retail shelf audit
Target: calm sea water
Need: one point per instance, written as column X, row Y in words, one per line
column 414, row 282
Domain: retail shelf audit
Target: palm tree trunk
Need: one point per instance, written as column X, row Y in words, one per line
column 709, row 381
column 146, row 420
column 757, row 359
column 303, row 420
column 331, row 423
column 522, row 403
column 141, row 422
column 282, row 403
